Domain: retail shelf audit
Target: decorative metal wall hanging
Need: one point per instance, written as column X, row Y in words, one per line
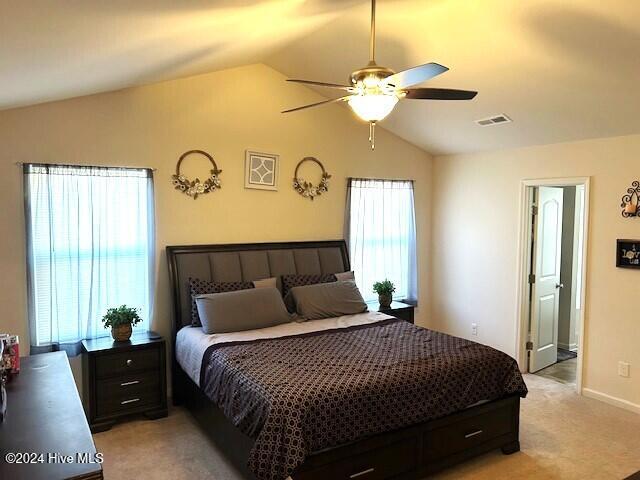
column 308, row 189
column 261, row 170
column 193, row 188
column 631, row 201
column 628, row 253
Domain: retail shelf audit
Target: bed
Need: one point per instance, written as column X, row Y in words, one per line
column 363, row 396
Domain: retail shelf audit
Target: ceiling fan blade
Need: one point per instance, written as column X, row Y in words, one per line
column 320, row 84
column 439, row 94
column 414, row 75
column 324, row 102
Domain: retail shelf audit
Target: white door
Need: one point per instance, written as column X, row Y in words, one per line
column 545, row 292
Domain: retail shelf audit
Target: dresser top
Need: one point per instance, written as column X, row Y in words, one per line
column 45, row 415
column 107, row 343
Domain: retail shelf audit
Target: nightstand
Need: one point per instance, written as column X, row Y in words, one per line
column 124, row 378
column 403, row 311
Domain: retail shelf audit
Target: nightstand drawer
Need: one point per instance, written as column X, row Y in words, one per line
column 127, row 362
column 120, row 404
column 133, row 383
column 128, row 392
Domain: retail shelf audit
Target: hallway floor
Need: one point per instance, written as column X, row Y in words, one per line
column 563, row 372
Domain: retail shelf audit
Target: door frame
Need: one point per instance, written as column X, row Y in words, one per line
column 524, row 257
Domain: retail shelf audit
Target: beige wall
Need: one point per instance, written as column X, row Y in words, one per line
column 475, row 211
column 475, row 234
column 223, row 113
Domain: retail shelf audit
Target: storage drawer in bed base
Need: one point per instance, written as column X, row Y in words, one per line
column 425, row 448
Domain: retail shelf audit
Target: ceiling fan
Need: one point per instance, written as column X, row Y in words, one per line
column 374, row 90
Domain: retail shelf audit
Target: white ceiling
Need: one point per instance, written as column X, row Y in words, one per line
column 561, row 69
column 52, row 49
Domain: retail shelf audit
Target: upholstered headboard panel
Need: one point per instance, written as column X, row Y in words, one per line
column 247, row 262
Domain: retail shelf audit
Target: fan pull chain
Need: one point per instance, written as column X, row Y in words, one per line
column 372, row 135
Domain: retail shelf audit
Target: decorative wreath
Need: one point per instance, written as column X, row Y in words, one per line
column 308, row 189
column 193, row 188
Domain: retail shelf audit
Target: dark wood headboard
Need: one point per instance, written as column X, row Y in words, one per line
column 246, row 262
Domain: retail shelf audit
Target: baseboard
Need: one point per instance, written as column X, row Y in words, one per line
column 568, row 346
column 615, row 401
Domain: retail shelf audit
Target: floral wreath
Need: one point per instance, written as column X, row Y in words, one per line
column 193, row 188
column 308, row 189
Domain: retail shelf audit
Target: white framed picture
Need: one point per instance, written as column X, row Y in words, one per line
column 261, row 170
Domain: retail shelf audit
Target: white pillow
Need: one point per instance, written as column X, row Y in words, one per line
column 345, row 276
column 265, row 283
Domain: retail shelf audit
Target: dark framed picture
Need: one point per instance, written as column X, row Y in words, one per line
column 628, row 254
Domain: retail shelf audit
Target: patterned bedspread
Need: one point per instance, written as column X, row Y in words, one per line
column 298, row 395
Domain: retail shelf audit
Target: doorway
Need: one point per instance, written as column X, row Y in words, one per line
column 553, row 252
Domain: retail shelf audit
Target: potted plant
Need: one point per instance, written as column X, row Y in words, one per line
column 385, row 291
column 121, row 320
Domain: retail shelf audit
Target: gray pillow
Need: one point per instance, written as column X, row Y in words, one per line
column 241, row 310
column 325, row 300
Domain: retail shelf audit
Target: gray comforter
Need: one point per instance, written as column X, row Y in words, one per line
column 298, row 395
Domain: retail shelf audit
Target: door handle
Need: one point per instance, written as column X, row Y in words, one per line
column 559, row 285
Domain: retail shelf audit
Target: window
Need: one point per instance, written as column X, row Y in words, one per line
column 381, row 235
column 89, row 247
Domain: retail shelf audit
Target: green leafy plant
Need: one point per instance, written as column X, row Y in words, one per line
column 122, row 315
column 385, row 287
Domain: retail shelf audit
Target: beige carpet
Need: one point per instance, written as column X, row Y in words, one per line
column 562, row 436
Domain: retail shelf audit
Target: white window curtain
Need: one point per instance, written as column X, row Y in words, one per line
column 381, row 234
column 90, row 247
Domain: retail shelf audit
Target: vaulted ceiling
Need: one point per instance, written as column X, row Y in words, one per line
column 561, row 69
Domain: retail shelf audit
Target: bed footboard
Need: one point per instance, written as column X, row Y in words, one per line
column 409, row 453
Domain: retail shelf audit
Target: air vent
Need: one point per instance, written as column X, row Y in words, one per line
column 485, row 122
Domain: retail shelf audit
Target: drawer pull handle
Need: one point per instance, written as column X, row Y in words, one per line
column 133, row 382
column 129, row 362
column 133, row 400
column 473, row 434
column 363, row 472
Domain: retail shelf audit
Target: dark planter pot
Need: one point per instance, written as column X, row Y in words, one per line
column 121, row 333
column 385, row 300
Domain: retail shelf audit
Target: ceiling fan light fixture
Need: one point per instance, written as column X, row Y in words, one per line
column 372, row 108
column 374, row 90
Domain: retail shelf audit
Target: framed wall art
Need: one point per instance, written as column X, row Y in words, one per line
column 261, row 170
column 628, row 254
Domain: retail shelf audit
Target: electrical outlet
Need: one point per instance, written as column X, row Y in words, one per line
column 474, row 329
column 624, row 369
